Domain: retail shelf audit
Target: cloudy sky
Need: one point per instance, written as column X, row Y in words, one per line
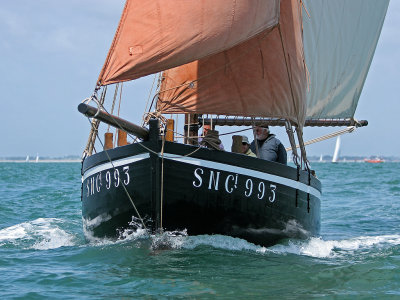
column 52, row 52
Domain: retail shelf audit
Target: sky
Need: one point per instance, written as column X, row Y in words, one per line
column 52, row 52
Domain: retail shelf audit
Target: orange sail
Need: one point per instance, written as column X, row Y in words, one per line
column 225, row 57
column 156, row 35
column 264, row 76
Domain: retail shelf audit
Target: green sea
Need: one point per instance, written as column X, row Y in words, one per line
column 45, row 255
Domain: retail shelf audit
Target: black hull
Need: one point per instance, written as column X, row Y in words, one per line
column 207, row 192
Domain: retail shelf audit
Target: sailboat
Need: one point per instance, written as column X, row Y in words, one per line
column 27, row 158
column 222, row 63
column 336, row 154
column 37, row 158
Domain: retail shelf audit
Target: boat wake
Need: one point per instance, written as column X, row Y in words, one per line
column 313, row 247
column 39, row 234
column 52, row 233
column 317, row 247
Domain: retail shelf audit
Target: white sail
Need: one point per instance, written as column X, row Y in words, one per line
column 37, row 158
column 321, row 158
column 27, row 158
column 335, row 157
column 340, row 38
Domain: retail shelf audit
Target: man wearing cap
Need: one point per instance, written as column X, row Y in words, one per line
column 246, row 147
column 269, row 147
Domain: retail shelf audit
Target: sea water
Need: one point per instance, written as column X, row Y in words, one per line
column 44, row 254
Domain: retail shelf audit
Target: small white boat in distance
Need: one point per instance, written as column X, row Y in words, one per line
column 335, row 157
column 37, row 158
column 27, row 158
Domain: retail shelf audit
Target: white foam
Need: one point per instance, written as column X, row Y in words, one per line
column 221, row 242
column 168, row 240
column 12, row 233
column 313, row 247
column 127, row 235
column 317, row 247
column 40, row 234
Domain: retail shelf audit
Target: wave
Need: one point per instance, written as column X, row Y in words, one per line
column 39, row 234
column 313, row 247
column 317, row 247
column 50, row 233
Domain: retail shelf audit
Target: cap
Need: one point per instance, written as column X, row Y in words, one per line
column 245, row 139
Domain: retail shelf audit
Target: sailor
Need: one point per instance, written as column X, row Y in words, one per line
column 246, row 147
column 269, row 147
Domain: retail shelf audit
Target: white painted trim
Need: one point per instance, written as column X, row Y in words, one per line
column 208, row 164
column 243, row 171
column 116, row 163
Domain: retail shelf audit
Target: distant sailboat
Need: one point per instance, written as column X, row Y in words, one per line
column 37, row 158
column 321, row 158
column 27, row 158
column 335, row 157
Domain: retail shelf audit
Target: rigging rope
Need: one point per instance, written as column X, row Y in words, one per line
column 113, row 103
column 119, row 106
column 148, row 99
column 95, row 123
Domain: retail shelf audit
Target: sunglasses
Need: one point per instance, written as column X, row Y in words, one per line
column 244, row 144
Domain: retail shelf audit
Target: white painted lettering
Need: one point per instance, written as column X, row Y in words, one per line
column 229, row 190
column 127, row 179
column 197, row 175
column 249, row 188
column 261, row 190
column 116, row 177
column 98, row 182
column 214, row 180
column 273, row 188
column 91, row 185
column 108, row 180
column 236, row 180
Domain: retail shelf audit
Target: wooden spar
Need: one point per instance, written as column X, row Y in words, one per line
column 114, row 121
column 281, row 122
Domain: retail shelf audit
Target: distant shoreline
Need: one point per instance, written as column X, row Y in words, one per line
column 41, row 161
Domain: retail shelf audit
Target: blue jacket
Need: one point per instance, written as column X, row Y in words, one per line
column 271, row 149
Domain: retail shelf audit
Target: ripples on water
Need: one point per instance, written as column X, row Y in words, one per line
column 43, row 252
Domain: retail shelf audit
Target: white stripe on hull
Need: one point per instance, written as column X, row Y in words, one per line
column 115, row 163
column 243, row 171
column 212, row 165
